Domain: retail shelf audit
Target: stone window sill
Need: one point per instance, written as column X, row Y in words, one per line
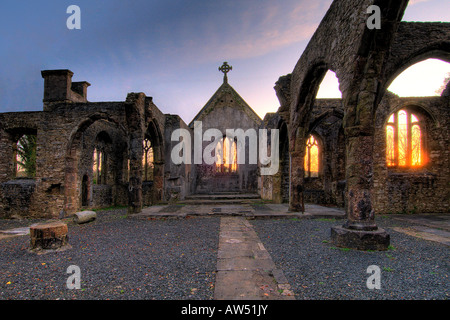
column 409, row 173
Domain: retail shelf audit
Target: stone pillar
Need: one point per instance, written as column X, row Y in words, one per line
column 71, row 180
column 297, row 181
column 158, row 182
column 276, row 187
column 297, row 143
column 360, row 230
column 135, row 115
column 135, row 180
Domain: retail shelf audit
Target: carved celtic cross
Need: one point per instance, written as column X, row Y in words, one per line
column 225, row 68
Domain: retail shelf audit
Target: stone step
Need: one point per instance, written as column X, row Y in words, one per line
column 221, row 198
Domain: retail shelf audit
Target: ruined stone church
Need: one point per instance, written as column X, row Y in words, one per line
column 370, row 152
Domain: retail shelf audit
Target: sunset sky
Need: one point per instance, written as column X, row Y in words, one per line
column 171, row 49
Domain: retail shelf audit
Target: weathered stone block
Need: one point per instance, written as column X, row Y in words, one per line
column 360, row 239
column 84, row 216
column 49, row 236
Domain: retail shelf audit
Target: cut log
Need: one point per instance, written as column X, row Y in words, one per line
column 48, row 236
column 84, row 216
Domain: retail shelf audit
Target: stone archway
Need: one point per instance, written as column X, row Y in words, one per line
column 74, row 186
column 358, row 56
column 300, row 127
column 156, row 186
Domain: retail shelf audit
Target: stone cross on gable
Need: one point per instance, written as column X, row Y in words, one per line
column 225, row 68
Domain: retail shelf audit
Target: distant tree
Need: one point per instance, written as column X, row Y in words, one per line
column 26, row 152
column 444, row 84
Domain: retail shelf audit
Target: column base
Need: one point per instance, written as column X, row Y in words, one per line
column 377, row 239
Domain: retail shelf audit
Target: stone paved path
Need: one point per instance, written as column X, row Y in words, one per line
column 245, row 270
column 431, row 227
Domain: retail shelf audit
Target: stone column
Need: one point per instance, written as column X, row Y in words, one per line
column 158, row 182
column 297, row 145
column 297, row 181
column 135, row 180
column 360, row 230
column 71, row 180
column 135, row 115
column 276, row 187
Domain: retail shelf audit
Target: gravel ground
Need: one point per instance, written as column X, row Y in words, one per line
column 118, row 258
column 130, row 259
column 411, row 269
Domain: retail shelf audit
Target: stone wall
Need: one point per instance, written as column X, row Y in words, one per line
column 276, row 187
column 365, row 61
column 66, row 133
column 102, row 196
column 326, row 125
column 107, row 137
column 415, row 42
column 178, row 178
column 227, row 110
column 64, row 155
column 155, row 124
column 17, row 197
column 420, row 190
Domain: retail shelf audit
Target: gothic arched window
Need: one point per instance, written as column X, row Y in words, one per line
column 226, row 155
column 312, row 158
column 25, row 159
column 102, row 148
column 404, row 140
column 147, row 160
column 99, row 166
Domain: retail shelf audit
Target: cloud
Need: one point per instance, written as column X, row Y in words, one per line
column 254, row 31
column 268, row 41
column 413, row 2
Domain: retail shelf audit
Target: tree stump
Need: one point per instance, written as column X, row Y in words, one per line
column 84, row 216
column 49, row 236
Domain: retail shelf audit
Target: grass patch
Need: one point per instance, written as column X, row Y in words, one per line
column 342, row 249
column 391, row 247
column 390, row 256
